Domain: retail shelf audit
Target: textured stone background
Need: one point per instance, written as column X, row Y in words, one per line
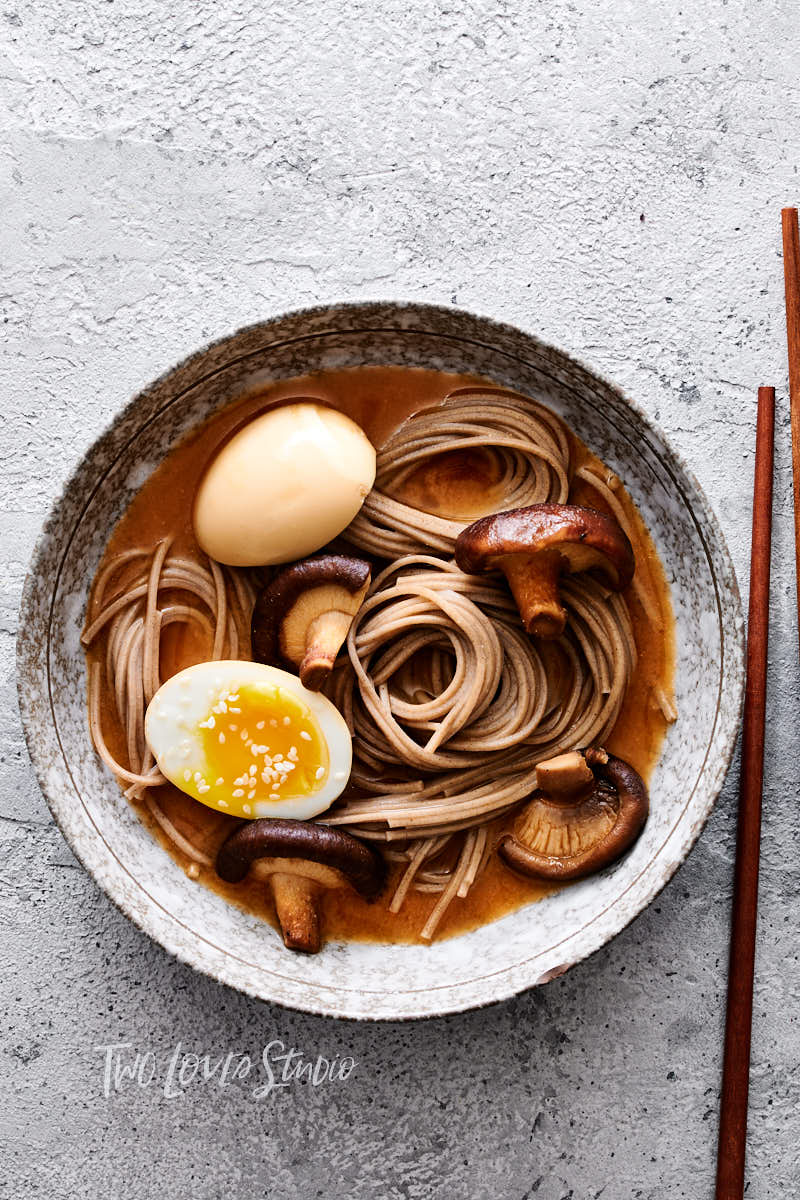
column 608, row 174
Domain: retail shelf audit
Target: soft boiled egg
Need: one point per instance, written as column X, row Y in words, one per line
column 283, row 486
column 249, row 740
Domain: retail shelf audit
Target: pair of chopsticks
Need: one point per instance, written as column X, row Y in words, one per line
column 739, row 1014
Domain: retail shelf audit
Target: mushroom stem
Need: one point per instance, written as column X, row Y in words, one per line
column 567, row 777
column 324, row 638
column 533, row 579
column 297, row 910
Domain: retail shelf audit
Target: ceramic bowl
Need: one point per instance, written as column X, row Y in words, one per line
column 376, row 981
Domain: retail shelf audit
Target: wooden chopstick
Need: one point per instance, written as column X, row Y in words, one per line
column 739, row 1016
column 791, row 277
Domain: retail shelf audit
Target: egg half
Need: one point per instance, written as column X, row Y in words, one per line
column 286, row 484
column 249, row 740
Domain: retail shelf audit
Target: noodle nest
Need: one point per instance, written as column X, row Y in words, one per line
column 450, row 703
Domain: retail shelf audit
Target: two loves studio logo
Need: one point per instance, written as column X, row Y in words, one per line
column 265, row 1074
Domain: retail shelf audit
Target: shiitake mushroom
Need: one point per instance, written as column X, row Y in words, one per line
column 302, row 617
column 534, row 546
column 300, row 860
column 589, row 808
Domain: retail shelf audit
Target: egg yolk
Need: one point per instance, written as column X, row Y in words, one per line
column 260, row 744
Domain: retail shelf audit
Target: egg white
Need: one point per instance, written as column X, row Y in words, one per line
column 179, row 706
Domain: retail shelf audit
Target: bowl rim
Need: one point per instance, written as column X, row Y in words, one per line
column 733, row 642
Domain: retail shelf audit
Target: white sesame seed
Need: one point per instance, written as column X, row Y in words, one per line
column 305, row 735
column 260, row 724
column 197, row 777
column 219, row 782
column 222, row 737
column 251, row 794
column 274, row 796
column 320, row 771
column 233, row 727
column 187, row 774
column 246, row 809
column 253, row 769
column 223, row 803
column 273, row 723
column 244, row 735
column 292, row 755
column 232, row 709
column 238, row 792
column 287, row 720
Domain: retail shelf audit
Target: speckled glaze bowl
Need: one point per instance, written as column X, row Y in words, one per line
column 373, row 981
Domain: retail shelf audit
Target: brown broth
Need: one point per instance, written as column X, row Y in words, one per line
column 379, row 399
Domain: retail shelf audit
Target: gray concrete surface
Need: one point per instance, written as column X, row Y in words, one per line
column 607, row 174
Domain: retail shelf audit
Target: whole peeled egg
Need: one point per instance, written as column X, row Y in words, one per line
column 283, row 486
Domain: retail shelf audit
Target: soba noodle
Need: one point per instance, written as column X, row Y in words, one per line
column 449, row 702
column 443, row 682
column 147, row 600
column 528, row 444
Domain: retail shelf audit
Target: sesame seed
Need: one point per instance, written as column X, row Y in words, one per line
column 251, row 794
column 320, row 771
column 223, row 803
column 219, row 782
column 246, row 809
column 238, row 792
column 287, row 720
column 193, row 871
column 274, row 723
column 187, row 774
column 197, row 777
column 232, row 709
column 260, row 724
column 253, row 769
column 292, row 755
column 274, row 796
column 222, row 737
column 244, row 735
column 305, row 735
column 233, row 727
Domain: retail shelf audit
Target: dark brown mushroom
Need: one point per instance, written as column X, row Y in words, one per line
column 301, row 859
column 534, row 546
column 302, row 617
column 588, row 810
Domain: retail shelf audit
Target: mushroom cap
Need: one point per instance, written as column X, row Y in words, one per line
column 564, row 835
column 584, row 538
column 294, row 843
column 309, row 588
